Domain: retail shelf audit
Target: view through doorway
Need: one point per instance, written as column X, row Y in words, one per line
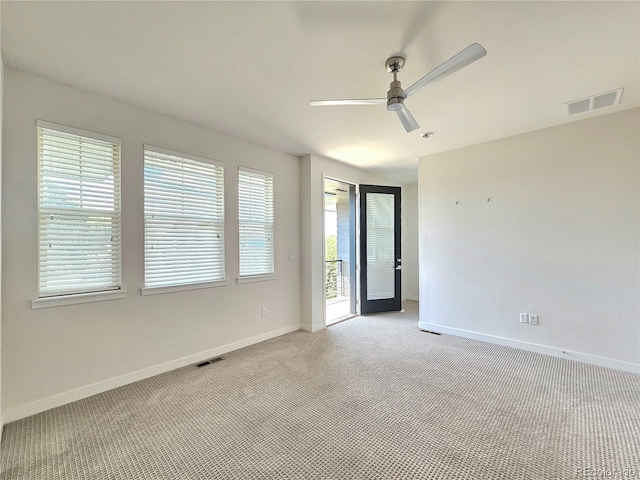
column 340, row 250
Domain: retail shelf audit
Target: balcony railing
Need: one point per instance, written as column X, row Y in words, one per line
column 334, row 279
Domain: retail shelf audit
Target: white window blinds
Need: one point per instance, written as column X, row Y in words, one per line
column 381, row 261
column 79, row 211
column 183, row 219
column 256, row 221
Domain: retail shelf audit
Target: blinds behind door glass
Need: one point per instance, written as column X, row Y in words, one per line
column 256, row 221
column 79, row 213
column 184, row 220
column 380, row 246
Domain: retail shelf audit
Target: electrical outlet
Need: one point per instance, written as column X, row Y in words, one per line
column 524, row 318
column 264, row 311
column 291, row 256
column 533, row 319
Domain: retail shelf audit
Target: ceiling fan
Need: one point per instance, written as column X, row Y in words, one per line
column 395, row 95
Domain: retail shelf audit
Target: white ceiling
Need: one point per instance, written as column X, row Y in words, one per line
column 249, row 69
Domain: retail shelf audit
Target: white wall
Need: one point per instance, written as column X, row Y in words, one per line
column 560, row 237
column 55, row 355
column 410, row 257
column 312, row 170
column 1, row 116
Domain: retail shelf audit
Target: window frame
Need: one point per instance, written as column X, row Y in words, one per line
column 79, row 295
column 250, row 278
column 178, row 287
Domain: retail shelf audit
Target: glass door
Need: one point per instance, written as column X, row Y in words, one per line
column 380, row 261
column 340, row 247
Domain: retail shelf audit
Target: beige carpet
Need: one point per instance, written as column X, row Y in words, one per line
column 369, row 398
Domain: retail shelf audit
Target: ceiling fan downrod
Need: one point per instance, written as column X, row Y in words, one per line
column 395, row 100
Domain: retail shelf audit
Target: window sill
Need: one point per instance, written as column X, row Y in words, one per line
column 61, row 300
column 181, row 288
column 256, row 278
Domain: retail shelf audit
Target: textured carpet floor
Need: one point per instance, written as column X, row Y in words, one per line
column 369, row 398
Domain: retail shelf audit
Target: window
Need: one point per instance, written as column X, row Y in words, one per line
column 183, row 220
column 79, row 211
column 256, row 221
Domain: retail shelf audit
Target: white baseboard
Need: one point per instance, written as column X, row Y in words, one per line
column 534, row 347
column 22, row 411
column 309, row 328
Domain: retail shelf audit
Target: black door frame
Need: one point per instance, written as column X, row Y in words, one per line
column 387, row 304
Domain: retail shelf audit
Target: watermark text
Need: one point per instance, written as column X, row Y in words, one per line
column 607, row 472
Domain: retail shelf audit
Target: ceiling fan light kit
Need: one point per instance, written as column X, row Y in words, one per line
column 396, row 95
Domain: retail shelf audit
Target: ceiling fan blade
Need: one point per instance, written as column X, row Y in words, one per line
column 473, row 52
column 362, row 101
column 408, row 122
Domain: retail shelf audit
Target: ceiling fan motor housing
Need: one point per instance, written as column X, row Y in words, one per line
column 395, row 100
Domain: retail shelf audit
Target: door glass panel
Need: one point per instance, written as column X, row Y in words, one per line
column 339, row 231
column 380, row 246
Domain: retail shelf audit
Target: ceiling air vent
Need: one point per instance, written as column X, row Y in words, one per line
column 607, row 99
